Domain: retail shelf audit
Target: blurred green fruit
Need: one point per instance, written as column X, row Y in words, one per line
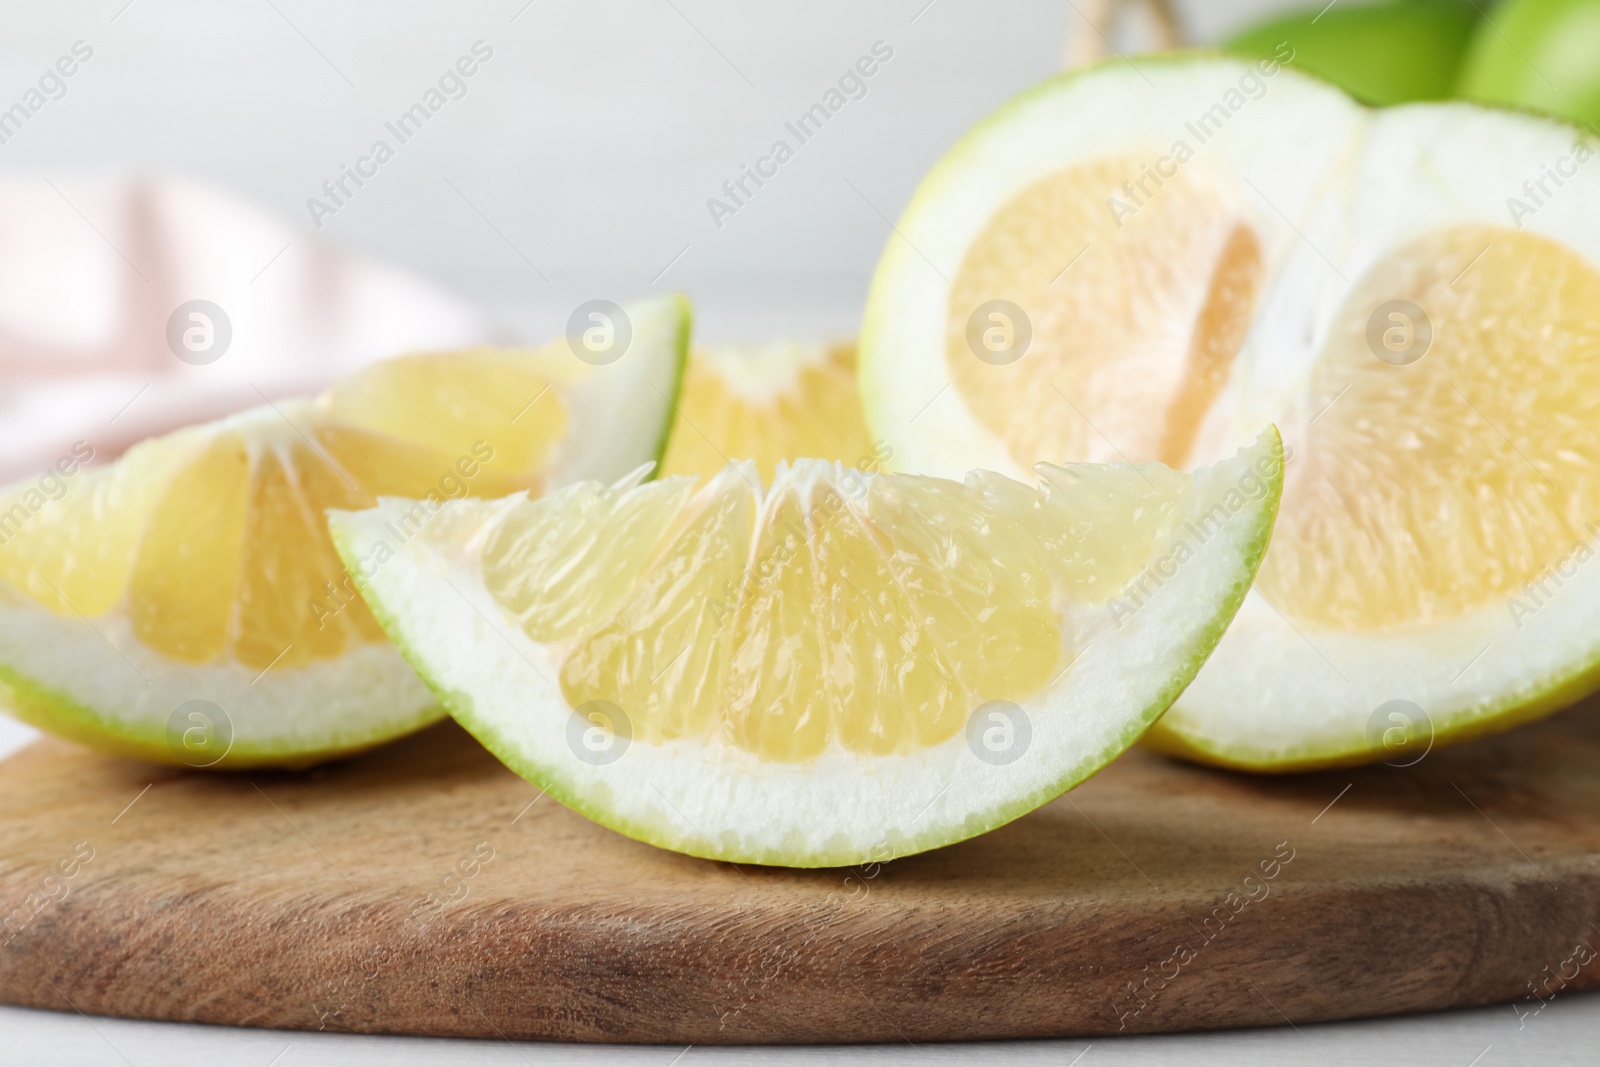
column 1542, row 54
column 1385, row 53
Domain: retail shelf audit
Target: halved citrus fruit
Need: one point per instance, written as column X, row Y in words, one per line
column 769, row 403
column 836, row 668
column 185, row 604
column 1151, row 261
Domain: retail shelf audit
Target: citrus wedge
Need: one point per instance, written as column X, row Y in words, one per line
column 837, row 668
column 185, row 604
column 1153, row 261
column 769, row 403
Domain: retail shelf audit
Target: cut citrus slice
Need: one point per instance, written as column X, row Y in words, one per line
column 836, row 668
column 769, row 403
column 185, row 604
column 1152, row 261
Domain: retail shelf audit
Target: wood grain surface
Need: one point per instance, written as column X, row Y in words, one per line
column 424, row 889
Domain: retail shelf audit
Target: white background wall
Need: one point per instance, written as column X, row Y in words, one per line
column 590, row 141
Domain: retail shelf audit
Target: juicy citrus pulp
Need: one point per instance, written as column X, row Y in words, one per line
column 795, row 669
column 225, row 554
column 1438, row 488
column 874, row 627
column 1141, row 330
column 768, row 403
column 207, row 550
column 1408, row 511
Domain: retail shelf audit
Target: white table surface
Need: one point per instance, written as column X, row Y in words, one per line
column 1566, row 1032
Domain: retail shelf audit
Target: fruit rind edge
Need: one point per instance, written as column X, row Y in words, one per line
column 60, row 716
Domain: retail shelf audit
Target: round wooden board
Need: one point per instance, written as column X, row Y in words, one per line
column 424, row 889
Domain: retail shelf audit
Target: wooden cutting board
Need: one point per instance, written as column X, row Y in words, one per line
column 424, row 889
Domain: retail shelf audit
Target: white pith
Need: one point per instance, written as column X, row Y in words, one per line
column 1322, row 176
column 1271, row 695
column 94, row 677
column 366, row 693
column 701, row 796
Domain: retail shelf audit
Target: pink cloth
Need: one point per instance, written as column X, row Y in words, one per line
column 91, row 272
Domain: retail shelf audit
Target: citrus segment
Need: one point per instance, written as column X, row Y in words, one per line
column 1130, row 292
column 955, row 609
column 199, row 566
column 556, row 576
column 874, row 625
column 768, row 403
column 981, row 591
column 772, row 695
column 661, row 654
column 1104, row 523
column 1434, row 488
column 833, row 667
column 447, row 405
column 888, row 684
column 73, row 548
column 186, row 572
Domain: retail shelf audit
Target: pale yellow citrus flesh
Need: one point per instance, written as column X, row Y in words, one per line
column 417, row 409
column 1135, row 317
column 1429, row 490
column 213, row 541
column 78, row 553
column 1418, row 493
column 841, row 613
column 768, row 404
